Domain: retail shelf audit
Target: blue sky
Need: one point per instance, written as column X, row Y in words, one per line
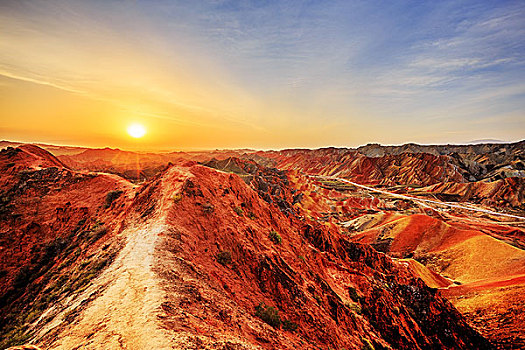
column 273, row 74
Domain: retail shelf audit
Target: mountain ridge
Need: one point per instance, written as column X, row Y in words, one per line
column 220, row 256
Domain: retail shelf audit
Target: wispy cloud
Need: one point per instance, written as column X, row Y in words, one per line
column 280, row 67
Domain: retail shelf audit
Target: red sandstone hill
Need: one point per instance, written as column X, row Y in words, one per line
column 409, row 164
column 490, row 161
column 481, row 251
column 488, row 273
column 136, row 165
column 54, row 234
column 54, row 149
column 508, row 192
column 198, row 258
column 457, row 253
column 406, row 168
column 27, row 156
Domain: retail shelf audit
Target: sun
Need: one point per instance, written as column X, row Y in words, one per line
column 136, row 131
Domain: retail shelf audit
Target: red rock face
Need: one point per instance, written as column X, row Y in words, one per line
column 508, row 192
column 340, row 294
column 460, row 251
column 481, row 252
column 236, row 264
column 406, row 168
column 51, row 219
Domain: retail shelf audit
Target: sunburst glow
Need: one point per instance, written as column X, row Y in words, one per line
column 136, row 130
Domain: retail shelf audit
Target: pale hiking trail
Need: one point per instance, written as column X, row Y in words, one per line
column 124, row 316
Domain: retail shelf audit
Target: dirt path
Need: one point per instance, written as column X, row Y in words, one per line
column 124, row 302
column 124, row 315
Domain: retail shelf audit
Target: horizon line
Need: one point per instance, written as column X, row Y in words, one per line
column 190, row 150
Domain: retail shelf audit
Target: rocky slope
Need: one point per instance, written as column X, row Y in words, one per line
column 463, row 241
column 480, row 255
column 56, row 233
column 489, row 150
column 200, row 258
column 409, row 164
column 407, row 168
column 507, row 192
column 475, row 162
column 487, row 273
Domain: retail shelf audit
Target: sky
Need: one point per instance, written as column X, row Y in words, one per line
column 261, row 74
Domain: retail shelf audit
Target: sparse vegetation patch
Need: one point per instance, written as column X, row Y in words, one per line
column 224, row 258
column 268, row 314
column 275, row 237
column 238, row 211
column 352, row 292
column 208, row 208
column 111, row 197
column 355, row 308
column 290, row 326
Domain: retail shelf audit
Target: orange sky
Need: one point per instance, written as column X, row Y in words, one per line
column 202, row 76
